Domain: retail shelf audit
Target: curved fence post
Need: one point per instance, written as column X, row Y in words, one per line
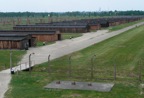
column 49, row 69
column 114, row 70
column 140, row 69
column 92, row 66
column 70, row 67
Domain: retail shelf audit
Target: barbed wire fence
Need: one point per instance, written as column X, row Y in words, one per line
column 90, row 69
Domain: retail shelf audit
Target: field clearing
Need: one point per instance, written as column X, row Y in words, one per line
column 125, row 51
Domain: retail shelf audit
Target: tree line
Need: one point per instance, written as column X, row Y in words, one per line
column 75, row 14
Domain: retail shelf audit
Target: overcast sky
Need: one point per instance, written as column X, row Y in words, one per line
column 69, row 5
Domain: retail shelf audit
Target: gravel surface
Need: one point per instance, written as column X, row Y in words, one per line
column 4, row 81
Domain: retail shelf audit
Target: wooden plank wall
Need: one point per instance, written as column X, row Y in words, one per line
column 95, row 27
column 10, row 44
column 46, row 37
column 62, row 30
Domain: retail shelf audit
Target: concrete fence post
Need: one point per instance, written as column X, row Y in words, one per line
column 140, row 72
column 70, row 67
column 92, row 66
column 30, row 63
column 114, row 71
column 49, row 68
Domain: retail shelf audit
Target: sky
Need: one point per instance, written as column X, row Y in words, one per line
column 69, row 5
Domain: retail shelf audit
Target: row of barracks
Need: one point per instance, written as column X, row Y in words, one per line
column 25, row 36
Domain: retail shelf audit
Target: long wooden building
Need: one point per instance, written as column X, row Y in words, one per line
column 62, row 29
column 34, row 36
column 47, row 36
column 90, row 24
column 14, row 41
column 78, row 26
column 24, row 36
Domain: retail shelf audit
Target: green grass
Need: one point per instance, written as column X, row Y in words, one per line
column 26, row 86
column 118, row 27
column 5, row 58
column 72, row 35
column 125, row 50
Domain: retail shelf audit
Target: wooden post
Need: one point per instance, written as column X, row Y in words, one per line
column 41, row 21
column 28, row 21
column 13, row 21
column 4, row 23
column 18, row 21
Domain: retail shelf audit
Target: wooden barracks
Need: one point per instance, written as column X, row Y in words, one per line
column 25, row 36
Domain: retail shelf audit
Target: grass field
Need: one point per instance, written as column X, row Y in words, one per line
column 126, row 51
column 5, row 58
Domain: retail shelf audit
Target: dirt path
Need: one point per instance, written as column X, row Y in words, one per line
column 59, row 49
